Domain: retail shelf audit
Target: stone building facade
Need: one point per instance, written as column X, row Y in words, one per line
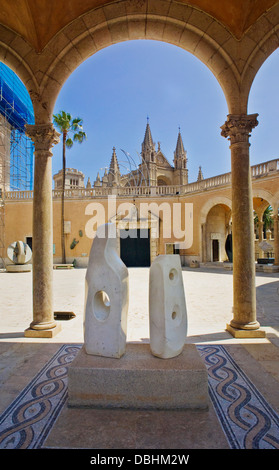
column 74, row 179
column 204, row 208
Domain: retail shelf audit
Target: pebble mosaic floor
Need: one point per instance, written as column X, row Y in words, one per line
column 247, row 420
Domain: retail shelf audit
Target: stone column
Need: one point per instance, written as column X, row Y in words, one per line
column 203, row 235
column 260, row 227
column 260, row 219
column 244, row 323
column 44, row 137
column 276, row 236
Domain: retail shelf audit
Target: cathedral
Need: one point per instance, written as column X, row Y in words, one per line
column 154, row 169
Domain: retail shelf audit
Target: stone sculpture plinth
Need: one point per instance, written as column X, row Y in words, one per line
column 167, row 307
column 139, row 380
column 20, row 254
column 106, row 297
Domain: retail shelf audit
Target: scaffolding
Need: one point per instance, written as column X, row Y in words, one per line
column 16, row 149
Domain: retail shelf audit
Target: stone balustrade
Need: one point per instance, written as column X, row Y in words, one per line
column 257, row 171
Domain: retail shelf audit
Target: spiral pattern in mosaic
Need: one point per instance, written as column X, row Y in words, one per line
column 26, row 423
column 247, row 419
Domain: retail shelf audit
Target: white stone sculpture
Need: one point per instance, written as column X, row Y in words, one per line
column 106, row 297
column 167, row 307
column 20, row 254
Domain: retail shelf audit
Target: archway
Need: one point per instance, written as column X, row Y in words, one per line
column 163, row 181
column 263, row 223
column 112, row 121
column 215, row 228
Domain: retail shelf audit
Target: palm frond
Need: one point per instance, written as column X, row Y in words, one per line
column 77, row 120
column 62, row 121
column 69, row 143
column 80, row 137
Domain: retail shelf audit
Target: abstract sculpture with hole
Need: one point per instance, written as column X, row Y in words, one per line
column 167, row 307
column 106, row 297
column 20, row 254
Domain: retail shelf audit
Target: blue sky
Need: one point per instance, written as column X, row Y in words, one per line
column 117, row 88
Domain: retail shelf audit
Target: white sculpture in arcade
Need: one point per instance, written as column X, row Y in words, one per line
column 20, row 254
column 106, row 297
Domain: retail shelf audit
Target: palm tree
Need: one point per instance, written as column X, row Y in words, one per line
column 66, row 124
column 267, row 219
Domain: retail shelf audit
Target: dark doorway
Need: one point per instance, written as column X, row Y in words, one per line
column 29, row 242
column 135, row 248
column 215, row 250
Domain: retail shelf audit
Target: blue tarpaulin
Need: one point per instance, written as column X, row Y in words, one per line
column 16, row 106
column 15, row 102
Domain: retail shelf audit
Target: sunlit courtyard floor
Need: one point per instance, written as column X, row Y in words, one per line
column 209, row 308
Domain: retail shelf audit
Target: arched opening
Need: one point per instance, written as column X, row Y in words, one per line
column 264, row 231
column 162, row 181
column 117, row 88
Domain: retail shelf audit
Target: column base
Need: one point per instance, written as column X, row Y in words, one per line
column 239, row 333
column 48, row 333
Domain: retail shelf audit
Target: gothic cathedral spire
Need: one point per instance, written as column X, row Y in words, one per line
column 148, row 155
column 180, row 161
column 114, row 172
column 148, row 146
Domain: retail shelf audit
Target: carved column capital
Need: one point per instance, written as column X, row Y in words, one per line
column 44, row 136
column 238, row 127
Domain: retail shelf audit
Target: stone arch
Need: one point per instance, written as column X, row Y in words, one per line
column 261, row 202
column 163, row 180
column 173, row 23
column 206, row 240
column 275, row 200
column 218, row 200
column 262, row 194
column 264, row 40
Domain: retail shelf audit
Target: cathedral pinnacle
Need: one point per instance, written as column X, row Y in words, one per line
column 200, row 174
column 148, row 141
column 179, row 151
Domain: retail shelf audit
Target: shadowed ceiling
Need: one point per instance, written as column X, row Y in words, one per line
column 37, row 21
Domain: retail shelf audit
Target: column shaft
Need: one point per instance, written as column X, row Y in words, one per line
column 244, row 293
column 238, row 128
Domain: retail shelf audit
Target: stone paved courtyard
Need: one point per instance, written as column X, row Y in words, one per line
column 208, row 297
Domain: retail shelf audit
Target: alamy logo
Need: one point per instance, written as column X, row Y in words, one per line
column 170, row 221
